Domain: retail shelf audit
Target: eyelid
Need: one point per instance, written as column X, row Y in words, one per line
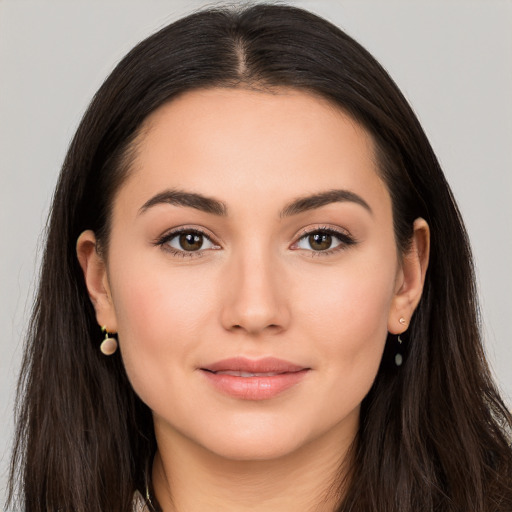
column 343, row 236
column 163, row 240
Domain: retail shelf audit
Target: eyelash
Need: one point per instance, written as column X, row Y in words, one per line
column 165, row 239
column 345, row 241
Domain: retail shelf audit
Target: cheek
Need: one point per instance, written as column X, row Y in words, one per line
column 160, row 313
column 348, row 326
column 152, row 295
column 347, row 316
column 353, row 297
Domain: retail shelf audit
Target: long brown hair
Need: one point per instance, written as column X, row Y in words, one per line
column 434, row 433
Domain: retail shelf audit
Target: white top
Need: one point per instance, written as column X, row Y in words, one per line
column 139, row 504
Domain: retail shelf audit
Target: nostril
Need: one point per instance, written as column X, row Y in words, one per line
column 269, row 327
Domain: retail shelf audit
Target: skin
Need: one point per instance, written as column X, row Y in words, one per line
column 258, row 289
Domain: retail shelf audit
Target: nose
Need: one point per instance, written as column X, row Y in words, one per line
column 255, row 299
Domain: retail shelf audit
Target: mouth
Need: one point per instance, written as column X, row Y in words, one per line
column 244, row 374
column 250, row 379
column 253, row 367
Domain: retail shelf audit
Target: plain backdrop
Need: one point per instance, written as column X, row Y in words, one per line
column 451, row 58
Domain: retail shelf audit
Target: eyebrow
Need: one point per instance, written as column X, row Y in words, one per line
column 190, row 199
column 307, row 203
column 216, row 207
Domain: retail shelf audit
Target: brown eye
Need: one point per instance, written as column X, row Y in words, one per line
column 320, row 241
column 191, row 241
column 324, row 241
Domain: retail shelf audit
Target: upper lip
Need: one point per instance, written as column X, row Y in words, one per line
column 263, row 365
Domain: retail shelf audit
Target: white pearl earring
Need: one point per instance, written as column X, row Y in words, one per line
column 109, row 344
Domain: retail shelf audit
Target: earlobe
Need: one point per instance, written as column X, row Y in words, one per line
column 96, row 280
column 412, row 278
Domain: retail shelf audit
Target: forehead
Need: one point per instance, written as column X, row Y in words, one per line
column 231, row 143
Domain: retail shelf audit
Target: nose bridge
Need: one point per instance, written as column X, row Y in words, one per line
column 255, row 301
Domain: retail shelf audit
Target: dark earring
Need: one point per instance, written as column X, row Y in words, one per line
column 399, row 358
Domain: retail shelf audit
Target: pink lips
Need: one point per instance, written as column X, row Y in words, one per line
column 251, row 379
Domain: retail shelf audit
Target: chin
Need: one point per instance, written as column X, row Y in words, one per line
column 256, row 439
column 253, row 449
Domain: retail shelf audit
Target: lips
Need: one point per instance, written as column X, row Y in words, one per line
column 254, row 379
column 265, row 366
column 246, row 374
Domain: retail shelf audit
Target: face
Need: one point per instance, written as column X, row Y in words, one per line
column 252, row 273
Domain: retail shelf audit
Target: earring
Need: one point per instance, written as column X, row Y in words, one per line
column 399, row 359
column 402, row 320
column 109, row 344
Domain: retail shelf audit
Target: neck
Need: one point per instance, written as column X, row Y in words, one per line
column 187, row 477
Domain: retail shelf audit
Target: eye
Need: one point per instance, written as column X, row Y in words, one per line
column 190, row 241
column 318, row 241
column 324, row 241
column 186, row 242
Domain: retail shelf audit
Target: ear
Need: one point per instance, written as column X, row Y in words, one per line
column 96, row 280
column 410, row 278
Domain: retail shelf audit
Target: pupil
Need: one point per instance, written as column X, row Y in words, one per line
column 191, row 241
column 320, row 241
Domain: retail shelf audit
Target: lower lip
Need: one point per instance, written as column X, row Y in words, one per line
column 255, row 388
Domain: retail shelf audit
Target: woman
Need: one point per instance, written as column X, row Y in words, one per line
column 253, row 209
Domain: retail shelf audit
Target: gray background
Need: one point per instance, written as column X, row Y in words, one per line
column 452, row 59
